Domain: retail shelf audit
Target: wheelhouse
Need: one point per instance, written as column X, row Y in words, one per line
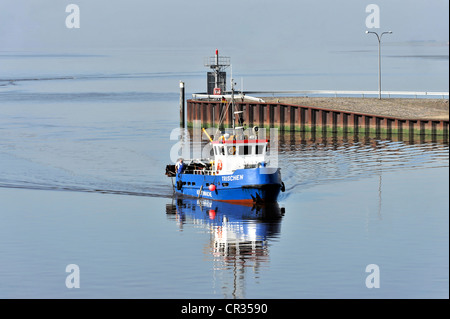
column 231, row 154
column 251, row 148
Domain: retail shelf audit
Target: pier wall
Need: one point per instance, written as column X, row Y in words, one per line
column 297, row 118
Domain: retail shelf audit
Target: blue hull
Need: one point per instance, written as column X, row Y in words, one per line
column 244, row 186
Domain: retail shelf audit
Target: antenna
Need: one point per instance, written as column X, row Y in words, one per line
column 231, row 72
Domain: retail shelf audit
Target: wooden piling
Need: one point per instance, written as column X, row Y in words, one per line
column 182, row 106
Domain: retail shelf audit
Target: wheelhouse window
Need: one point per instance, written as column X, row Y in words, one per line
column 219, row 150
column 244, row 150
column 259, row 149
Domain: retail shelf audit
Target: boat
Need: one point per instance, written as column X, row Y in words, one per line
column 238, row 171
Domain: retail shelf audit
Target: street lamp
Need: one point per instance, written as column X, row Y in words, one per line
column 379, row 58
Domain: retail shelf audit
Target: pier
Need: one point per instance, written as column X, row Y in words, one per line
column 318, row 112
column 369, row 116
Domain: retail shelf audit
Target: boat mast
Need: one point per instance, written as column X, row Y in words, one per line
column 233, row 106
column 238, row 113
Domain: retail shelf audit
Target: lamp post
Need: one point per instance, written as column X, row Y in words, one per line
column 379, row 58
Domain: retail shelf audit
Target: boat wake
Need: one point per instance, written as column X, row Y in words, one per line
column 310, row 164
column 94, row 167
column 161, row 191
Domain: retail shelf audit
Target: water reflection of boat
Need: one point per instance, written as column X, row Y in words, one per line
column 239, row 235
column 241, row 222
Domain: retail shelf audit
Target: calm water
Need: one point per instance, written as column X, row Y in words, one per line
column 84, row 141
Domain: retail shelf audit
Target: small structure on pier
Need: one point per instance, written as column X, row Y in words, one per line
column 217, row 79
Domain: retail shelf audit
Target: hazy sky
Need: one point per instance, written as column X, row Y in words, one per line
column 253, row 24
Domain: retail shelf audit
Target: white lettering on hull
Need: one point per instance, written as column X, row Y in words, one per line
column 232, row 178
column 204, row 193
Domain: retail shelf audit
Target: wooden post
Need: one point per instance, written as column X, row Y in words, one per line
column 182, row 123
